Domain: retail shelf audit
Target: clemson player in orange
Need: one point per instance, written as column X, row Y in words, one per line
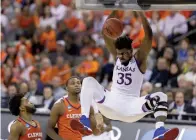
column 64, row 111
column 23, row 128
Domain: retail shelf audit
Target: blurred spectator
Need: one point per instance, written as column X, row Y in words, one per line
column 9, row 63
column 25, row 74
column 48, row 39
column 193, row 100
column 89, row 66
column 160, row 74
column 58, row 90
column 4, row 20
column 22, row 56
column 73, row 20
column 191, row 75
column 61, row 30
column 48, row 100
column 71, row 48
column 174, row 72
column 169, row 55
column 183, row 51
column 137, row 34
column 37, row 5
column 34, row 96
column 174, row 24
column 93, row 47
column 170, row 96
column 33, row 90
column 24, row 88
column 61, row 48
column 147, row 88
column 58, row 10
column 62, row 70
column 47, row 19
column 183, row 82
column 7, row 76
column 23, row 42
column 60, row 51
column 35, row 75
column 8, row 9
column 11, row 90
column 26, row 22
column 98, row 21
column 192, row 26
column 156, row 23
column 11, row 53
column 46, row 73
column 180, row 107
column 191, row 52
column 188, row 64
column 106, row 73
column 37, row 47
column 12, row 31
column 162, row 44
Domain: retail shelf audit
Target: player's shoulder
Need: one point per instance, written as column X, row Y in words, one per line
column 60, row 101
column 16, row 126
column 59, row 106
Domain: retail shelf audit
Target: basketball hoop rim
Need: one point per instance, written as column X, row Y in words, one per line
column 80, row 4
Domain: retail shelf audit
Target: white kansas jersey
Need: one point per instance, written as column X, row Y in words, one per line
column 127, row 79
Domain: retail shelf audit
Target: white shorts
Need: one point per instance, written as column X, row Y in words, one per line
column 104, row 136
column 122, row 107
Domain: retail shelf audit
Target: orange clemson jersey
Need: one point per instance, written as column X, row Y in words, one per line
column 72, row 111
column 31, row 132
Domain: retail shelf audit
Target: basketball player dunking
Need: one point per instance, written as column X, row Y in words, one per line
column 124, row 102
column 24, row 128
column 66, row 109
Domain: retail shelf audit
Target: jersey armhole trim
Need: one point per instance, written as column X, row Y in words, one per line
column 21, row 120
column 138, row 64
column 101, row 101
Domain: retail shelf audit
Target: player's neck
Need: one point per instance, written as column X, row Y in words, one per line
column 26, row 117
column 73, row 98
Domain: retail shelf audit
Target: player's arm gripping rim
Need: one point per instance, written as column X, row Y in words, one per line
column 146, row 44
column 54, row 115
column 109, row 41
column 15, row 131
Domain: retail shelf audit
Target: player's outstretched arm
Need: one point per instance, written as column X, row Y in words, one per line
column 146, row 44
column 54, row 115
column 15, row 131
column 109, row 41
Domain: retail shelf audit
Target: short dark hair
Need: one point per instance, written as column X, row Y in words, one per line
column 48, row 86
column 35, row 72
column 14, row 104
column 72, row 78
column 13, row 84
column 123, row 42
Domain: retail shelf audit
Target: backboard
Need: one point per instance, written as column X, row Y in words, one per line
column 137, row 4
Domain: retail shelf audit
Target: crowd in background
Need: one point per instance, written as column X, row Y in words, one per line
column 44, row 42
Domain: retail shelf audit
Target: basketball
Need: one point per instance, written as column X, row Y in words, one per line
column 113, row 28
